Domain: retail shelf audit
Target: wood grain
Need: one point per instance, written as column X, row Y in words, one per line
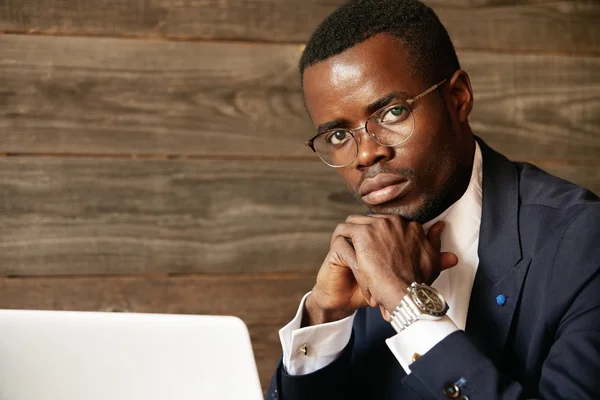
column 109, row 96
column 264, row 302
column 61, row 216
column 130, row 96
column 78, row 216
column 537, row 107
column 473, row 24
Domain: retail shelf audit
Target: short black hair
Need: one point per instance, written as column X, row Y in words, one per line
column 416, row 25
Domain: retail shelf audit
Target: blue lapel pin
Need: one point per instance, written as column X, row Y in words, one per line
column 501, row 300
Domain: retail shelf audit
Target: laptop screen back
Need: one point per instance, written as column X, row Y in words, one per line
column 98, row 356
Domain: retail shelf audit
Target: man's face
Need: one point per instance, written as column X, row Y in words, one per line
column 412, row 179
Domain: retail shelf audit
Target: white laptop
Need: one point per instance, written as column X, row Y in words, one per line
column 62, row 355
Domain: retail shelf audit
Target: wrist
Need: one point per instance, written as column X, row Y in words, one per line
column 395, row 296
column 314, row 314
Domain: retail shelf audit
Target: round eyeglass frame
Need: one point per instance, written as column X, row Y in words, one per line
column 408, row 103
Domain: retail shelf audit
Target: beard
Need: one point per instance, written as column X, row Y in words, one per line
column 433, row 201
column 431, row 205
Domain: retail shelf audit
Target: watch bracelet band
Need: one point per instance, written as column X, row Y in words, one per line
column 403, row 315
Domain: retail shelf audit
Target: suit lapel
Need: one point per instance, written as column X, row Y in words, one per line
column 502, row 268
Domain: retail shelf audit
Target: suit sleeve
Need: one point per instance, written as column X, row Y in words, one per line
column 329, row 382
column 572, row 368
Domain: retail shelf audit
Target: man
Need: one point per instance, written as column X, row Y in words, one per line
column 472, row 277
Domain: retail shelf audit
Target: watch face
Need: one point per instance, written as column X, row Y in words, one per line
column 429, row 300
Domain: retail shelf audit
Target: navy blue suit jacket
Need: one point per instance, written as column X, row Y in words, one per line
column 539, row 246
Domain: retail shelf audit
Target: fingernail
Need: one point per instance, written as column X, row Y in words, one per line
column 443, row 227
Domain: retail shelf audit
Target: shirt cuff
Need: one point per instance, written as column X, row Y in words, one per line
column 323, row 343
column 419, row 337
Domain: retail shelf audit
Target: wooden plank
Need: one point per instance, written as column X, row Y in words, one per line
column 569, row 27
column 537, row 107
column 264, row 303
column 130, row 96
column 78, row 216
column 557, row 26
column 62, row 216
column 109, row 96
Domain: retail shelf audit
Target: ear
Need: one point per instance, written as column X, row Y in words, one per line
column 461, row 95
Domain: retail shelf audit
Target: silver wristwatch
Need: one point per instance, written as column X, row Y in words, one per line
column 421, row 302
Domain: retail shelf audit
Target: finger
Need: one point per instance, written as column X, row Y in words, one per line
column 358, row 300
column 384, row 216
column 344, row 250
column 448, row 260
column 368, row 297
column 365, row 219
column 347, row 230
column 351, row 219
column 360, row 219
column 385, row 314
column 435, row 235
column 347, row 252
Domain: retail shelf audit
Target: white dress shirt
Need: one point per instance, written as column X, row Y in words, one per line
column 325, row 342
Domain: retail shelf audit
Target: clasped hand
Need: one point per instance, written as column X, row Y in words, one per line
column 371, row 261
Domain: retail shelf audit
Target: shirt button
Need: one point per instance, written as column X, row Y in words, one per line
column 452, row 391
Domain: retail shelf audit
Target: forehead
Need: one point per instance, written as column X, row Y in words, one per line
column 343, row 85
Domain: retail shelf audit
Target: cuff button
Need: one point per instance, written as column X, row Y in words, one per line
column 304, row 349
column 452, row 391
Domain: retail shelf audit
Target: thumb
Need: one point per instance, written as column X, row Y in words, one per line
column 361, row 299
column 435, row 235
column 447, row 260
column 368, row 297
column 385, row 314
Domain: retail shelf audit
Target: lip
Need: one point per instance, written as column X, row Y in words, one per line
column 383, row 188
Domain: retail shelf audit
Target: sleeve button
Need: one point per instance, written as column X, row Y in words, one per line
column 452, row 391
column 304, row 349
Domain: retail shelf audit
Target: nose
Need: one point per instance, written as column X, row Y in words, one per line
column 370, row 152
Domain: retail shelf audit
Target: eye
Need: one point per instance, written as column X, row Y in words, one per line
column 394, row 115
column 337, row 138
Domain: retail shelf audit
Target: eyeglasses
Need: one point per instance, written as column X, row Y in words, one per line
column 389, row 126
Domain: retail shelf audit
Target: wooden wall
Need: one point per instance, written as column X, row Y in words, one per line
column 152, row 158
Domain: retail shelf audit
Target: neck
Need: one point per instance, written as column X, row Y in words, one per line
column 463, row 171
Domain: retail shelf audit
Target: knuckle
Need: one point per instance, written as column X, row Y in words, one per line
column 396, row 218
column 368, row 230
column 338, row 227
column 415, row 226
column 380, row 221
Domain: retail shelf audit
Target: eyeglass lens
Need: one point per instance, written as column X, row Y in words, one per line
column 390, row 127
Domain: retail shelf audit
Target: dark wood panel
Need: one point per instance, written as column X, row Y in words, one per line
column 119, row 216
column 131, row 96
column 487, row 24
column 569, row 27
column 265, row 303
column 107, row 96
column 537, row 107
